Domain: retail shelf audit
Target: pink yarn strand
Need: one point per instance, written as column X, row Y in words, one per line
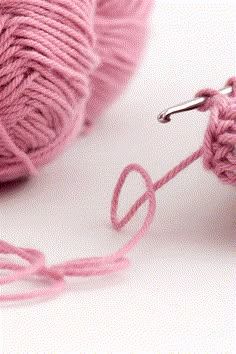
column 97, row 265
column 157, row 185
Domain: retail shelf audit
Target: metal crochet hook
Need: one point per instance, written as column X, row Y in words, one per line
column 164, row 117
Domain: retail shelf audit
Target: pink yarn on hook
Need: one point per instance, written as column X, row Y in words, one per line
column 218, row 151
column 220, row 138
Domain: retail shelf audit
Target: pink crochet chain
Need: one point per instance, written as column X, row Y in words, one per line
column 218, row 151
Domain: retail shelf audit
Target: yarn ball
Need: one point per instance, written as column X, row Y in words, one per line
column 62, row 62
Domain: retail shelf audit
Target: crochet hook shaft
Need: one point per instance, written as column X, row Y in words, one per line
column 164, row 117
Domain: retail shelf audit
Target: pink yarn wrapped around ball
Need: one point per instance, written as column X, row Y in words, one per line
column 62, row 62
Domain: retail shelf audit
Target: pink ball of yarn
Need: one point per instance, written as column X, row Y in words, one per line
column 62, row 62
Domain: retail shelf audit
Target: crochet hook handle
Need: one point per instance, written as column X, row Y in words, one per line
column 164, row 117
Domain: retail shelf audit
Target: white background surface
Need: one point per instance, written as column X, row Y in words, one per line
column 179, row 293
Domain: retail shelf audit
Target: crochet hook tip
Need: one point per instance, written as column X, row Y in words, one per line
column 164, row 117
